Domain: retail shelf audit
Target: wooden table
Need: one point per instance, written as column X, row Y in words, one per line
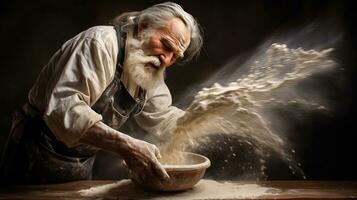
column 205, row 189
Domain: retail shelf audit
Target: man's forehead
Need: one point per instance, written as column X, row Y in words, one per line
column 178, row 30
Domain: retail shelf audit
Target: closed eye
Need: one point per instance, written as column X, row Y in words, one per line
column 170, row 47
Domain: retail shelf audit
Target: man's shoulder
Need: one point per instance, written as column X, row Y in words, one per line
column 102, row 36
column 100, row 33
column 101, row 29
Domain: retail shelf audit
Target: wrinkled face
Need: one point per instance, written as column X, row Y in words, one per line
column 168, row 43
column 153, row 50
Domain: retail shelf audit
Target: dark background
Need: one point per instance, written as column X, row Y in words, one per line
column 31, row 31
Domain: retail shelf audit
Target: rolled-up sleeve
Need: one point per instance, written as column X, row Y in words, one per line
column 87, row 69
column 159, row 116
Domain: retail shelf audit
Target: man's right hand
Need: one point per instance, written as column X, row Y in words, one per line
column 142, row 159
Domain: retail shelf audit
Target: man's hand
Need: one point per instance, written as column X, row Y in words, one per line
column 141, row 157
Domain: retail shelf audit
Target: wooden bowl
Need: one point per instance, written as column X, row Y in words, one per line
column 182, row 177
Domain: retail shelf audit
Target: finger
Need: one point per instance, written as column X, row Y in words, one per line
column 139, row 178
column 141, row 175
column 123, row 163
column 142, row 179
column 147, row 177
column 157, row 153
column 159, row 170
column 151, row 179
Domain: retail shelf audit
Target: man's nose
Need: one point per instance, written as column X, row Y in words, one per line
column 166, row 58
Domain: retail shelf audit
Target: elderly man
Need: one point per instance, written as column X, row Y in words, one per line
column 90, row 87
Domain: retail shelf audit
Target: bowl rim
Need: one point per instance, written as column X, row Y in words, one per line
column 199, row 166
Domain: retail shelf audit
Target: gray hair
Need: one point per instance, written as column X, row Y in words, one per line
column 157, row 16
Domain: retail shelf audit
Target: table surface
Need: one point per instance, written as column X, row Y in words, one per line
column 205, row 189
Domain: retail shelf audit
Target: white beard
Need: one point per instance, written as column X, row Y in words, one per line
column 145, row 71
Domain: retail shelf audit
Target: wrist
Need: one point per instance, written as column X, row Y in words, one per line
column 107, row 138
column 124, row 144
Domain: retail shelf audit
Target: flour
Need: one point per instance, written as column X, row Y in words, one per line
column 231, row 190
column 205, row 189
column 237, row 108
column 103, row 189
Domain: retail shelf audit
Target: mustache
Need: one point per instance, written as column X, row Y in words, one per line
column 145, row 59
column 155, row 62
column 139, row 54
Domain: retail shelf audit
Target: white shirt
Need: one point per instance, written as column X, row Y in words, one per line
column 77, row 75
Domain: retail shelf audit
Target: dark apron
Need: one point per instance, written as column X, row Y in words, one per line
column 33, row 155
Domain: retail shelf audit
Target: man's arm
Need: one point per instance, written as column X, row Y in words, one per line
column 141, row 157
column 87, row 66
column 159, row 117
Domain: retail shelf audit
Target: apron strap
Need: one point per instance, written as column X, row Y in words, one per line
column 121, row 39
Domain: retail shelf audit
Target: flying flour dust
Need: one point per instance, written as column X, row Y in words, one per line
column 238, row 107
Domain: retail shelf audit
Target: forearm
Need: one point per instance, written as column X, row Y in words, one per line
column 107, row 138
column 140, row 156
